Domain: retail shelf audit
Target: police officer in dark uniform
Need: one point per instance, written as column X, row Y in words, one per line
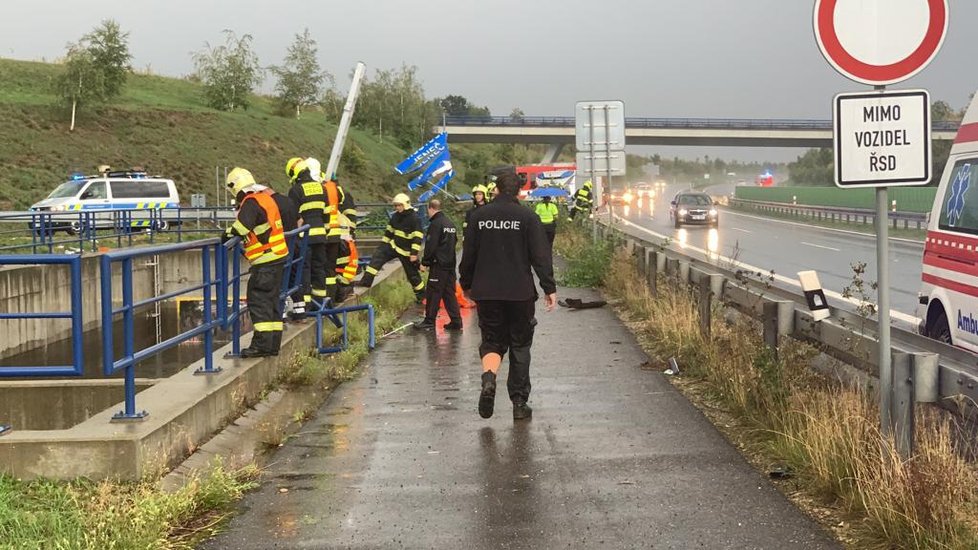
column 439, row 258
column 503, row 241
column 260, row 226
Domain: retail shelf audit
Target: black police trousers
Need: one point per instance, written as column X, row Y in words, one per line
column 441, row 286
column 551, row 230
column 264, row 307
column 508, row 326
column 386, row 253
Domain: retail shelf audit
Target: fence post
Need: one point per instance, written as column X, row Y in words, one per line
column 683, row 272
column 902, row 403
column 207, row 281
column 643, row 260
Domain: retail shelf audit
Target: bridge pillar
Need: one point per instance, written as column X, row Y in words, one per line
column 553, row 151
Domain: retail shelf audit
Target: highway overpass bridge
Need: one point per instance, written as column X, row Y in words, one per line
column 559, row 131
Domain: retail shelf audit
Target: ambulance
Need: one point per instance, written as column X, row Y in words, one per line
column 949, row 288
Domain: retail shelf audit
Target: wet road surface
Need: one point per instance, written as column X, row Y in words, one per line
column 784, row 246
column 614, row 457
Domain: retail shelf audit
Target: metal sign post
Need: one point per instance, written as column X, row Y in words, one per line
column 600, row 137
column 881, row 139
column 344, row 126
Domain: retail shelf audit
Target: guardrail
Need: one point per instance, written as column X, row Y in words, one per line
column 74, row 314
column 229, row 305
column 846, row 335
column 652, row 123
column 44, row 231
column 832, row 213
column 209, row 250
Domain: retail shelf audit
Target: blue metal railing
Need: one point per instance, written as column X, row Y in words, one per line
column 44, row 231
column 220, row 281
column 75, row 315
column 209, row 250
column 642, row 122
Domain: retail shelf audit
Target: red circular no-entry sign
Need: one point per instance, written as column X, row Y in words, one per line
column 880, row 42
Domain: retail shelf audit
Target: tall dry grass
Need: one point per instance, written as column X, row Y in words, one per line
column 828, row 434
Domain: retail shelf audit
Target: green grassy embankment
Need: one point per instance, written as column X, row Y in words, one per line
column 164, row 125
column 908, row 199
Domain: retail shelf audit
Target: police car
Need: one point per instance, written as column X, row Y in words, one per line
column 130, row 190
column 949, row 288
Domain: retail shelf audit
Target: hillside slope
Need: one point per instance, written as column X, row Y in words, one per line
column 163, row 125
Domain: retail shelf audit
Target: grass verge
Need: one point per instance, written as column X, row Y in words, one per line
column 826, row 435
column 82, row 514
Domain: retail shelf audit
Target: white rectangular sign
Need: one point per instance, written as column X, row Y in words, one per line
column 882, row 139
column 599, row 164
column 600, row 125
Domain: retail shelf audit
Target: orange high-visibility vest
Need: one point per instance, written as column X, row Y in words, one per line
column 266, row 242
column 333, row 209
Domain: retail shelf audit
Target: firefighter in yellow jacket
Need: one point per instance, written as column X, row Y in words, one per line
column 402, row 240
column 259, row 224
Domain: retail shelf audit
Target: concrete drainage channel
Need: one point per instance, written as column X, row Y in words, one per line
column 186, row 411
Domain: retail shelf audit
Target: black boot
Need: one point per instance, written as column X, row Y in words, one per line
column 522, row 411
column 260, row 346
column 424, row 324
column 487, row 397
column 276, row 343
column 454, row 325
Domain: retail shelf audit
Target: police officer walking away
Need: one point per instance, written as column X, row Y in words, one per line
column 259, row 224
column 503, row 241
column 402, row 240
column 439, row 258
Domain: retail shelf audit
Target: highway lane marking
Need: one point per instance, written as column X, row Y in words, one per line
column 810, row 226
column 894, row 314
column 741, row 230
column 821, row 246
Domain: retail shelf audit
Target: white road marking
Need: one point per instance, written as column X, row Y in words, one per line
column 898, row 315
column 741, row 230
column 821, row 246
column 730, row 212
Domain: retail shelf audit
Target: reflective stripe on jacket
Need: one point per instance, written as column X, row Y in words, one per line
column 264, row 242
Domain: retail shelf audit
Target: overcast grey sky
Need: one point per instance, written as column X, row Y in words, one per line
column 668, row 58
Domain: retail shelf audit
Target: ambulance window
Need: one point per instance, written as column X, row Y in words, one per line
column 959, row 211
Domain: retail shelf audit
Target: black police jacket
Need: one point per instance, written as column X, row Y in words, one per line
column 503, row 241
column 439, row 245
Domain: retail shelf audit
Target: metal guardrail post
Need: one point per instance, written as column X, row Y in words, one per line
column 778, row 320
column 652, row 273
column 926, row 377
column 235, row 303
column 705, row 306
column 902, row 402
column 128, row 334
column 208, row 318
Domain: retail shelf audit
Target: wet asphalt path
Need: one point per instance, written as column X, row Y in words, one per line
column 788, row 247
column 614, row 457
